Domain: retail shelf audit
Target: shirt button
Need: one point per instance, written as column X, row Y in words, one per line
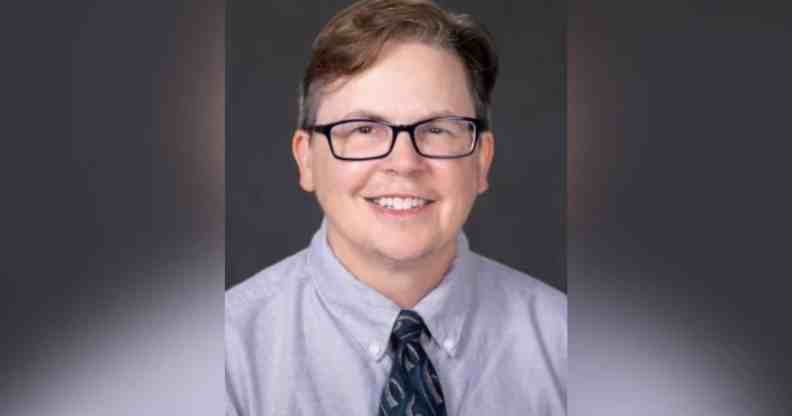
column 374, row 348
column 449, row 344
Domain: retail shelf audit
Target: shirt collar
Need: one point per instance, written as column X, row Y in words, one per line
column 369, row 316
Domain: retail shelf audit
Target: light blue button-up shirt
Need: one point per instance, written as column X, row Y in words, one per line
column 304, row 337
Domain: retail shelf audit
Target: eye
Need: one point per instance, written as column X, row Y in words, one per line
column 364, row 129
column 437, row 130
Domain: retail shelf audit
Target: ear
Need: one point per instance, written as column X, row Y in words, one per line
column 485, row 155
column 301, row 149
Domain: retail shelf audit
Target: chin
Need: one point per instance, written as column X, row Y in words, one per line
column 402, row 253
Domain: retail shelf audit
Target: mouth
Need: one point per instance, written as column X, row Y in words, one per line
column 400, row 203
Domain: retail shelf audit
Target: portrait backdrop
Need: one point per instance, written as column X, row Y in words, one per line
column 520, row 221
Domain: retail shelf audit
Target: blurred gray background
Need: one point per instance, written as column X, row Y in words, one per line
column 520, row 221
column 679, row 206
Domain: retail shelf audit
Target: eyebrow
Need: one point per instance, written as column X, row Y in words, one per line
column 370, row 115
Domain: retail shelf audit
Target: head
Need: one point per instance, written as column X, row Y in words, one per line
column 399, row 62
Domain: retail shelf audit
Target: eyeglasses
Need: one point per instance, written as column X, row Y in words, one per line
column 436, row 138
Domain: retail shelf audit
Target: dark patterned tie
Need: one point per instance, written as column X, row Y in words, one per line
column 413, row 387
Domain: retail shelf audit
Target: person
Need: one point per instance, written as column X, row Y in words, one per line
column 388, row 311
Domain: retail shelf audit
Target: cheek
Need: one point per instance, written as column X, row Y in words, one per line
column 337, row 179
column 466, row 179
column 461, row 185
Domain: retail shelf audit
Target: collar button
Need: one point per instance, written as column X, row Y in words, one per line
column 374, row 349
column 449, row 344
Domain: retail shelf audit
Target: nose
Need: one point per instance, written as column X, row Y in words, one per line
column 404, row 158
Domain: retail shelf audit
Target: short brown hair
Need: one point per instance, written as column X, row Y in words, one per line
column 352, row 40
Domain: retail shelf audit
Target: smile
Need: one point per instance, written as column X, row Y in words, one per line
column 398, row 203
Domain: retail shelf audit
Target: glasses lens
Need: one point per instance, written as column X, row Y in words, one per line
column 360, row 139
column 445, row 137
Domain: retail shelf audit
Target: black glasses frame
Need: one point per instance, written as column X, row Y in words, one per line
column 324, row 129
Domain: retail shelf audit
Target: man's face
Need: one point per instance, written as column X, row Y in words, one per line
column 409, row 82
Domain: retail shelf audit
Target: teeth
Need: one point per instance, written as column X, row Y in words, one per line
column 400, row 203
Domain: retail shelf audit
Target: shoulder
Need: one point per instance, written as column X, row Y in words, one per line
column 528, row 316
column 256, row 310
column 252, row 314
column 525, row 297
column 257, row 293
column 515, row 282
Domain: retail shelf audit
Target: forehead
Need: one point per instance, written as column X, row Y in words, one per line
column 409, row 81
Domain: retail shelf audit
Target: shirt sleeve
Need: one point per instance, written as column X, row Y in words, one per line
column 552, row 320
column 232, row 403
column 234, row 373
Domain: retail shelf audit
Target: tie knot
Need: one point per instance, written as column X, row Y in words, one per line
column 408, row 326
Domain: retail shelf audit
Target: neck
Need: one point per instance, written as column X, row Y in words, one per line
column 403, row 282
